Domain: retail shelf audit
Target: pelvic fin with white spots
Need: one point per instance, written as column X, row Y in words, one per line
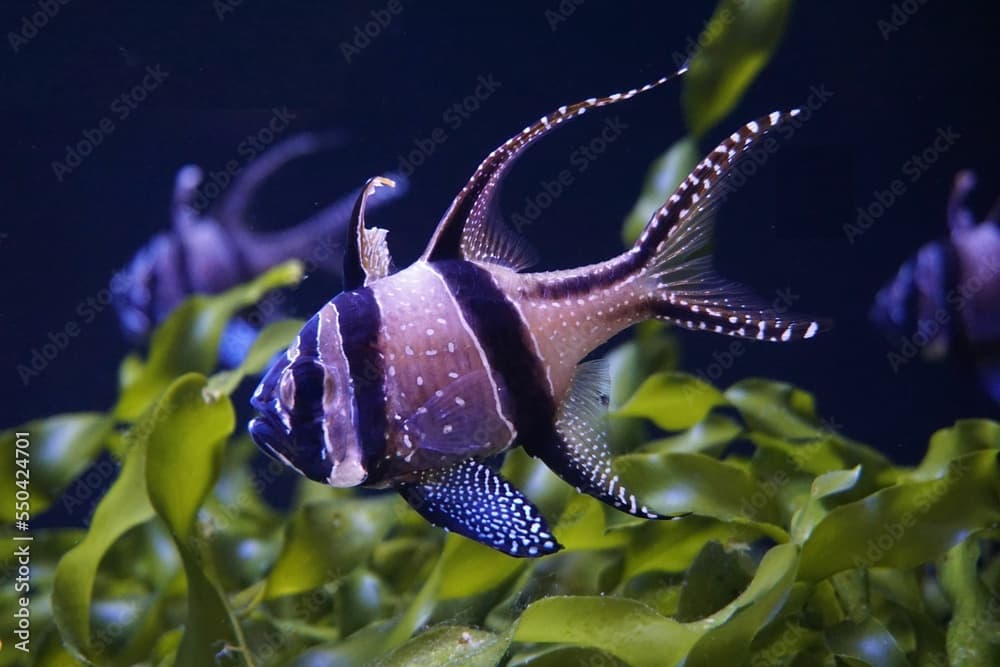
column 473, row 500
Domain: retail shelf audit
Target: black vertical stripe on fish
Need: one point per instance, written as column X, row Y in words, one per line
column 359, row 331
column 500, row 330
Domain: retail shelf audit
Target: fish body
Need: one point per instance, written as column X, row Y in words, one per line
column 945, row 300
column 414, row 379
column 210, row 253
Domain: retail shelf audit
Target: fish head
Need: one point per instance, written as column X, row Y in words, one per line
column 306, row 412
column 913, row 307
column 140, row 290
column 894, row 310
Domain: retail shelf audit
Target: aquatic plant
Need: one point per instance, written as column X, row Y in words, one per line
column 802, row 546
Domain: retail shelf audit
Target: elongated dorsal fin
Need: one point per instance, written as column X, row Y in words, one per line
column 471, row 227
column 367, row 257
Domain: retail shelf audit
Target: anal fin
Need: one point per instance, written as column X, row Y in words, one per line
column 580, row 455
column 474, row 501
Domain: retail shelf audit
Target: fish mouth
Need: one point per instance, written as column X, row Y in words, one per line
column 269, row 436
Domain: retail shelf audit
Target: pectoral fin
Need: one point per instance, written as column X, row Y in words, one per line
column 476, row 502
column 461, row 419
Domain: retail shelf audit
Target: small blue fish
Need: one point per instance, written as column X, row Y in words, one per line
column 212, row 253
column 945, row 300
column 414, row 379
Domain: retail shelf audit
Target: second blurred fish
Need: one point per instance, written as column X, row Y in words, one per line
column 945, row 301
column 207, row 253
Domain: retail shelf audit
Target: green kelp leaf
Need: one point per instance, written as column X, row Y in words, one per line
column 188, row 341
column 729, row 632
column 561, row 656
column 680, row 483
column 449, row 646
column 709, row 436
column 671, row 546
column 327, row 540
column 652, row 349
column 662, row 178
column 582, row 526
column 778, row 409
column 124, row 506
column 672, row 401
column 868, row 641
column 473, row 568
column 624, row 628
column 973, row 635
column 826, row 485
column 716, row 577
column 737, row 42
column 781, row 411
column 272, row 339
column 361, row 600
column 184, row 452
column 59, row 449
column 947, row 444
column 360, row 648
column 183, row 457
column 907, row 524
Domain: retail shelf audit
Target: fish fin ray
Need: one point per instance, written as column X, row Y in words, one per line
column 476, row 502
column 367, row 257
column 581, row 455
column 232, row 209
column 470, row 225
column 453, row 421
column 673, row 251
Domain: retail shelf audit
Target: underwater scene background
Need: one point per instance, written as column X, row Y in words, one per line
column 842, row 491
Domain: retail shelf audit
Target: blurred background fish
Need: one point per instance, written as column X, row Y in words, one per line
column 212, row 251
column 945, row 301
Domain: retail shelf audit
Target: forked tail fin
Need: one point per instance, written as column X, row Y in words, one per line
column 671, row 254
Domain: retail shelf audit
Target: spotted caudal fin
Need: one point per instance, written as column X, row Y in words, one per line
column 473, row 500
column 472, row 227
column 580, row 455
column 670, row 254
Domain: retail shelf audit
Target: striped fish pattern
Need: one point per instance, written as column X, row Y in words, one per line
column 414, row 379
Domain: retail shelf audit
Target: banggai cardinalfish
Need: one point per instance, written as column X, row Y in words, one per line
column 412, row 379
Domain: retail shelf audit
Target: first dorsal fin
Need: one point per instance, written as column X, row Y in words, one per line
column 471, row 227
column 367, row 257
